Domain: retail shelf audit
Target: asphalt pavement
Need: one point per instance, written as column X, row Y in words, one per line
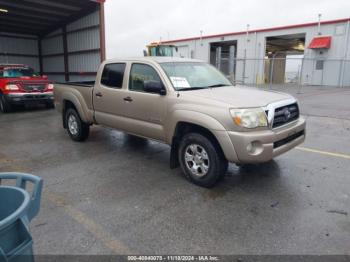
column 115, row 194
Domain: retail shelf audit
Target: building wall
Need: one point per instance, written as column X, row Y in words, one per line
column 88, row 43
column 83, row 47
column 52, row 55
column 86, row 61
column 253, row 47
column 17, row 50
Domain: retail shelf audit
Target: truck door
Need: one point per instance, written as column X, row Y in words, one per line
column 108, row 95
column 145, row 111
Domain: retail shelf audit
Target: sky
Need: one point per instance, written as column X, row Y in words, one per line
column 132, row 24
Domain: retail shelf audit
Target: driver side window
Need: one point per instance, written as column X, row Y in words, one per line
column 139, row 74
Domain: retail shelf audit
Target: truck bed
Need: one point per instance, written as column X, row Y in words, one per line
column 82, row 83
column 82, row 91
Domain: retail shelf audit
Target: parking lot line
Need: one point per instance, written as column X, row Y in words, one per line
column 324, row 152
column 95, row 229
column 12, row 165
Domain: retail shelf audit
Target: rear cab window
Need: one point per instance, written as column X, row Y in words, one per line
column 113, row 75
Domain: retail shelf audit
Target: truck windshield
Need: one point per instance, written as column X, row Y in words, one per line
column 161, row 51
column 15, row 72
column 194, row 75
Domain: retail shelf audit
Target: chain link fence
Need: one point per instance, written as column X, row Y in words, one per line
column 289, row 72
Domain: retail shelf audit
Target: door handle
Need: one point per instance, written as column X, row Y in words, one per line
column 99, row 94
column 128, row 99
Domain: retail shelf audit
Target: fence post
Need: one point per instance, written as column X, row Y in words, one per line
column 272, row 70
column 300, row 84
column 244, row 65
column 342, row 73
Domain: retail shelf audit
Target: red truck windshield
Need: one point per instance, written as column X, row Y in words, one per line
column 15, row 72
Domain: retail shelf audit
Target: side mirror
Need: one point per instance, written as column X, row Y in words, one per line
column 153, row 86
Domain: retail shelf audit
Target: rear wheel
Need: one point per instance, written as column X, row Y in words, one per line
column 5, row 106
column 76, row 128
column 201, row 160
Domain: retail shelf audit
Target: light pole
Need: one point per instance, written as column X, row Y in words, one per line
column 319, row 24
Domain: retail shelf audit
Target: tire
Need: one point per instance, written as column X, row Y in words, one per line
column 201, row 160
column 5, row 107
column 76, row 128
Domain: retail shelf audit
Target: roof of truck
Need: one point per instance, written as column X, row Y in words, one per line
column 7, row 65
column 157, row 59
column 3, row 66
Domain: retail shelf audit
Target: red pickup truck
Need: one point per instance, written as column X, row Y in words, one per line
column 20, row 85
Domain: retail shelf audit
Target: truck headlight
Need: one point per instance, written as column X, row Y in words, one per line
column 250, row 117
column 11, row 87
column 50, row 87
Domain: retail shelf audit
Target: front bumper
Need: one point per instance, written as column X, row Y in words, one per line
column 24, row 98
column 262, row 146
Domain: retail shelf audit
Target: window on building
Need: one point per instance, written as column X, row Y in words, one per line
column 319, row 64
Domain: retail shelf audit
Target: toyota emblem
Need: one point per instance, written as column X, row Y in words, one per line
column 287, row 114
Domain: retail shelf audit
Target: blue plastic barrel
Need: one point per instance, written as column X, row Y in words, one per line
column 17, row 208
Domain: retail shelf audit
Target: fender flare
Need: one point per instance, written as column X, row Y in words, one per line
column 78, row 103
column 192, row 117
column 204, row 121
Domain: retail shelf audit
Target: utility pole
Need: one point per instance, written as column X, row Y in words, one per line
column 245, row 54
column 319, row 24
column 247, row 36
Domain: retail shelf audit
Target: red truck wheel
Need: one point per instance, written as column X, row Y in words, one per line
column 5, row 107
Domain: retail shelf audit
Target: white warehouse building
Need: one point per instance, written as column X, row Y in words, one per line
column 307, row 54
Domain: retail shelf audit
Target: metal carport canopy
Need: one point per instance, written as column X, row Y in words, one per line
column 39, row 18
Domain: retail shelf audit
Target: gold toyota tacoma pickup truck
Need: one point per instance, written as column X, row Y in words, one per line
column 189, row 105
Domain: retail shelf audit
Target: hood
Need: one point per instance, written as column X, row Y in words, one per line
column 238, row 96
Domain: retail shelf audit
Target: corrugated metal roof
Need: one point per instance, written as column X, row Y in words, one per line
column 40, row 17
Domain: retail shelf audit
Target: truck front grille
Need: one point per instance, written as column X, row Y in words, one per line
column 34, row 87
column 288, row 139
column 286, row 114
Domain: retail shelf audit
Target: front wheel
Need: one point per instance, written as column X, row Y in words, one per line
column 201, row 160
column 5, row 106
column 76, row 128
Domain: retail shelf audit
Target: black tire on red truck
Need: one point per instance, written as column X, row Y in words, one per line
column 5, row 107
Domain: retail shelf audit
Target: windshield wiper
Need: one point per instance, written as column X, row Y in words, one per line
column 201, row 87
column 218, row 85
column 191, row 88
